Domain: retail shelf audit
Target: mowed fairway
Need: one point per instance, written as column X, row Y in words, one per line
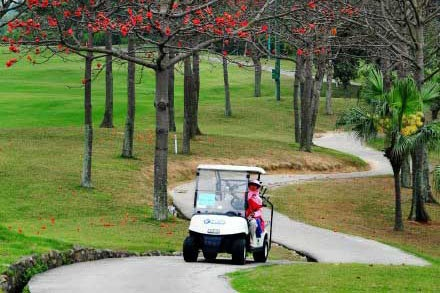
column 41, row 146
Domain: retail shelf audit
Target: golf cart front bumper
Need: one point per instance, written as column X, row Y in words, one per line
column 218, row 225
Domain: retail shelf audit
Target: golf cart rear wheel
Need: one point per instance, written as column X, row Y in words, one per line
column 239, row 251
column 261, row 255
column 210, row 256
column 190, row 249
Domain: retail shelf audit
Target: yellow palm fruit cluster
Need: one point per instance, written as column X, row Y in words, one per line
column 411, row 123
column 383, row 125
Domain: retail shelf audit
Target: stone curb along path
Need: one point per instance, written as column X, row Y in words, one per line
column 320, row 244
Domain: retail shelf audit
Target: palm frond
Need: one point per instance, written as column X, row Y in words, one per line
column 430, row 92
column 403, row 145
column 428, row 135
column 359, row 121
column 373, row 90
column 405, row 97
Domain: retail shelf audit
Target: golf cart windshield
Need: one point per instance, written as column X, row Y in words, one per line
column 221, row 192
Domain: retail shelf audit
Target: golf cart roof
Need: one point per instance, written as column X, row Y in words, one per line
column 249, row 169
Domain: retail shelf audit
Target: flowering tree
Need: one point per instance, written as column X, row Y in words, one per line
column 311, row 33
column 158, row 26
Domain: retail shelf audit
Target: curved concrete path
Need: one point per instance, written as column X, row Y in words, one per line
column 172, row 274
column 321, row 244
column 137, row 274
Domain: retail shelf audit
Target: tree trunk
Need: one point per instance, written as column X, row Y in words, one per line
column 386, row 71
column 412, row 212
column 328, row 97
column 188, row 94
column 107, row 121
column 127, row 148
column 402, row 68
column 398, row 221
column 418, row 212
column 299, row 72
column 428, row 196
column 424, row 190
column 405, row 175
column 172, row 122
column 396, row 164
column 434, row 114
column 161, row 152
column 257, row 72
column 195, row 130
column 421, row 185
column 316, row 94
column 419, row 74
column 228, row 110
column 86, row 178
column 306, row 105
column 405, row 172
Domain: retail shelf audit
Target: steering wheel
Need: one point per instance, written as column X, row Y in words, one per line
column 231, row 214
column 237, row 202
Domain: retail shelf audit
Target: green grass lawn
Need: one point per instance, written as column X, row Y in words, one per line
column 338, row 278
column 361, row 207
column 41, row 146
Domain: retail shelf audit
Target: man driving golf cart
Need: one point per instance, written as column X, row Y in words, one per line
column 225, row 196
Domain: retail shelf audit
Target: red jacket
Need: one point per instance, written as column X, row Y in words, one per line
column 255, row 205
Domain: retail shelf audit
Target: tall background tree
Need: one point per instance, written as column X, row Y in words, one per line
column 399, row 28
column 127, row 147
column 107, row 121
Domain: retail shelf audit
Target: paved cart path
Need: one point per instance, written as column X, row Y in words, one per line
column 321, row 244
column 138, row 275
column 172, row 274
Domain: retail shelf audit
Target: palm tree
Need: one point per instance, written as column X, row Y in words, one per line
column 398, row 115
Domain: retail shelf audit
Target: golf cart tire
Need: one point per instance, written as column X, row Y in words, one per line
column 239, row 251
column 190, row 249
column 210, row 256
column 261, row 255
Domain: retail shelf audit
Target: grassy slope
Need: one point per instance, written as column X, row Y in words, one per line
column 41, row 144
column 52, row 96
column 367, row 211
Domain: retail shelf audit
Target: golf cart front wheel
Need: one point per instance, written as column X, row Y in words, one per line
column 190, row 249
column 239, row 251
column 261, row 255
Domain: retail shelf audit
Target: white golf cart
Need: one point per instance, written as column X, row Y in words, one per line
column 219, row 222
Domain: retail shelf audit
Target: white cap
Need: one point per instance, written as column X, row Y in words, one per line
column 255, row 181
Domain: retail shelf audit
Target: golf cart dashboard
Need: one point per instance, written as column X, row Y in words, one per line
column 228, row 213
